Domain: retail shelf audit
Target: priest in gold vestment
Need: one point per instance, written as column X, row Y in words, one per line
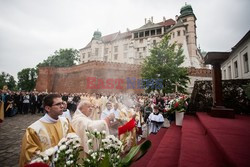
column 45, row 132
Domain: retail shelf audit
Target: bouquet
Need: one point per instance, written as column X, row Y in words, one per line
column 178, row 105
column 66, row 153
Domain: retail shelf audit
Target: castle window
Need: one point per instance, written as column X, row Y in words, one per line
column 184, row 32
column 225, row 74
column 140, row 55
column 184, row 20
column 125, row 47
column 83, row 56
column 144, row 48
column 152, row 32
column 138, row 49
column 229, row 72
column 246, row 63
column 96, row 51
column 173, row 34
column 116, row 48
column 158, row 31
column 154, row 42
column 136, row 35
column 178, row 33
column 141, row 34
column 116, row 56
column 146, row 33
column 125, row 55
column 105, row 58
column 89, row 54
column 141, row 40
column 106, row 51
column 236, row 73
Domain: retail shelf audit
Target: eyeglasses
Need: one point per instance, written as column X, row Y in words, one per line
column 58, row 104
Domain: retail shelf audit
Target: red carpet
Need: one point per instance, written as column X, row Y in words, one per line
column 231, row 136
column 155, row 139
column 197, row 149
column 203, row 141
column 167, row 154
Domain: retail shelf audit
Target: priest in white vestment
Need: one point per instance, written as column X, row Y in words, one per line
column 81, row 122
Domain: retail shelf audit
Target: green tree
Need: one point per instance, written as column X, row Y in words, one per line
column 61, row 58
column 7, row 79
column 164, row 64
column 27, row 79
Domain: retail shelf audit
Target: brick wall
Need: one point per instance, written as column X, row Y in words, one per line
column 76, row 79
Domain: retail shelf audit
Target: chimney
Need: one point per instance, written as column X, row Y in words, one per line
column 145, row 20
column 152, row 19
column 176, row 17
column 164, row 18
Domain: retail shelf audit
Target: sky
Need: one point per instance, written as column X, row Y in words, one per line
column 32, row 30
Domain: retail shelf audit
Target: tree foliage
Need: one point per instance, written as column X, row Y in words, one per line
column 164, row 63
column 7, row 79
column 27, row 79
column 61, row 58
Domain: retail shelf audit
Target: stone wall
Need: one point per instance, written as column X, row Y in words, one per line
column 96, row 77
column 81, row 78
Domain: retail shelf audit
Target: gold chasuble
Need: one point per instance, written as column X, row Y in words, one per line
column 1, row 111
column 42, row 135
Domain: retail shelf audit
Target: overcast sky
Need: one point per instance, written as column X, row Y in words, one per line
column 31, row 30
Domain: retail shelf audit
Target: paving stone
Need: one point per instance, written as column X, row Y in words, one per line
column 12, row 131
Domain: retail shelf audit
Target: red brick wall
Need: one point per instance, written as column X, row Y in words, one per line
column 74, row 79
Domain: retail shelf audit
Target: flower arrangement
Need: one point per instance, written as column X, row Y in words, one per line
column 110, row 151
column 178, row 105
column 66, row 153
column 105, row 150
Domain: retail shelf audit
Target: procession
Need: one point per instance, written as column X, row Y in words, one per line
column 124, row 84
column 128, row 118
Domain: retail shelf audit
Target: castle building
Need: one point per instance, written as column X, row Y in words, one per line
column 236, row 66
column 133, row 46
column 117, row 57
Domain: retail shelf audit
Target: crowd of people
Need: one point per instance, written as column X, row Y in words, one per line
column 90, row 112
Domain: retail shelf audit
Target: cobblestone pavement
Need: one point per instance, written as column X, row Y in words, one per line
column 11, row 132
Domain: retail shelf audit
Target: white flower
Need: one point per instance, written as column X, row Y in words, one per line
column 68, row 142
column 36, row 160
column 68, row 162
column 62, row 147
column 89, row 141
column 68, row 151
column 90, row 151
column 50, row 151
column 46, row 158
column 72, row 135
column 103, row 132
column 63, row 140
column 55, row 159
column 87, row 133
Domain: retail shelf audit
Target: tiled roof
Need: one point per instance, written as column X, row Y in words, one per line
column 110, row 37
column 168, row 22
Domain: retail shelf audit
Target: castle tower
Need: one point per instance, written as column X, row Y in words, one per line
column 188, row 18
